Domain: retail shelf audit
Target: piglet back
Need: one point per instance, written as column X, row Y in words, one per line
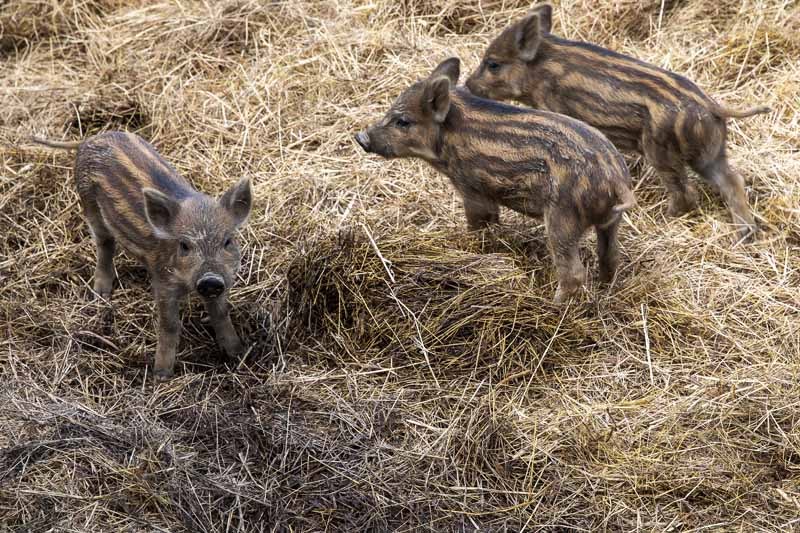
column 113, row 168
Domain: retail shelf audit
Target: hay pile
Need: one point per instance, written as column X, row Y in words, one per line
column 403, row 373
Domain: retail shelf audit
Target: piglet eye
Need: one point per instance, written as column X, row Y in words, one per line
column 228, row 243
column 493, row 66
column 401, row 123
column 184, row 247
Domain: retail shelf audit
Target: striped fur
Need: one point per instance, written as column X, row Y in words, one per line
column 130, row 195
column 638, row 106
column 538, row 163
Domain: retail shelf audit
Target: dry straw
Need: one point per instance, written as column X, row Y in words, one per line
column 403, row 373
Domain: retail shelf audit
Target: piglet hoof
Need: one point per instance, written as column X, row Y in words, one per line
column 233, row 348
column 678, row 207
column 163, row 374
column 562, row 296
column 747, row 234
column 606, row 275
column 102, row 292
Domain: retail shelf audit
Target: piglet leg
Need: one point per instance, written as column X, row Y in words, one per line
column 169, row 331
column 480, row 212
column 219, row 314
column 564, row 233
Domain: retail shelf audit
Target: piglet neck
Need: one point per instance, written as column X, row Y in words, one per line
column 552, row 57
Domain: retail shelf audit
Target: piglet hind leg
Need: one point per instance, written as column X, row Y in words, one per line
column 564, row 233
column 731, row 187
column 106, row 246
column 218, row 310
column 169, row 331
column 607, row 251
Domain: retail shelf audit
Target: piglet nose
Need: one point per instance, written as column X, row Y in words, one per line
column 210, row 285
column 363, row 140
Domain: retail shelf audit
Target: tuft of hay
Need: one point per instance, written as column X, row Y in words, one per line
column 402, row 374
column 24, row 23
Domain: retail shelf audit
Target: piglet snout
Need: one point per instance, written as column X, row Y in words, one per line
column 363, row 140
column 210, row 285
column 470, row 83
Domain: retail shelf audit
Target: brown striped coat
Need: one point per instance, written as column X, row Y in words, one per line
column 538, row 163
column 638, row 106
column 187, row 240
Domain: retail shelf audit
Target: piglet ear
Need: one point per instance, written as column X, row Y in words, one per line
column 238, row 200
column 545, row 12
column 161, row 211
column 528, row 35
column 437, row 98
column 450, row 68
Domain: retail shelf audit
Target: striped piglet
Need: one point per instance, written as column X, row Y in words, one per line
column 638, row 106
column 187, row 240
column 537, row 163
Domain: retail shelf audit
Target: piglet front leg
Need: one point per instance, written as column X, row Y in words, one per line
column 169, row 331
column 480, row 212
column 219, row 315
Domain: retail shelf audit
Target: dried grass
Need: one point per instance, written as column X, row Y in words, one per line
column 403, row 374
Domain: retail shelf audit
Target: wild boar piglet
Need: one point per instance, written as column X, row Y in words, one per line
column 186, row 239
column 638, row 106
column 537, row 163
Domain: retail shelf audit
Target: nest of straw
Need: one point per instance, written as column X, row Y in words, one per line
column 402, row 374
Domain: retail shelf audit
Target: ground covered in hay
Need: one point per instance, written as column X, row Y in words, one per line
column 403, row 374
